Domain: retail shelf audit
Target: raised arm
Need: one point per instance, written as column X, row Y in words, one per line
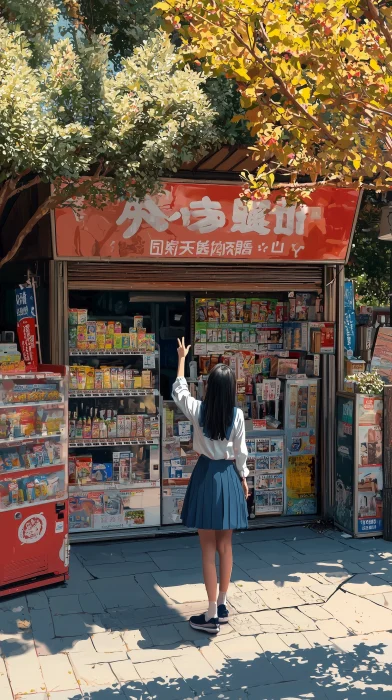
column 240, row 448
column 180, row 392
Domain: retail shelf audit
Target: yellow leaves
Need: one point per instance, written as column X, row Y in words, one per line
column 305, row 93
column 269, row 82
column 388, row 164
column 374, row 65
column 356, row 164
column 241, row 73
column 164, row 6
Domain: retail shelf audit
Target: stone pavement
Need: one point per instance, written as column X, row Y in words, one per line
column 311, row 617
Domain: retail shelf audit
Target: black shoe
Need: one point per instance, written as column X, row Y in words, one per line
column 199, row 622
column 223, row 614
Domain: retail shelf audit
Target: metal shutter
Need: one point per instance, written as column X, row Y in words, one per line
column 193, row 276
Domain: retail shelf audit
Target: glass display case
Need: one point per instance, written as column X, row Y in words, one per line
column 114, row 439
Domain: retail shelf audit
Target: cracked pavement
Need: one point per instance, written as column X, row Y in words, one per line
column 310, row 617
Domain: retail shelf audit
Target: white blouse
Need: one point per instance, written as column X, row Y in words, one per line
column 234, row 448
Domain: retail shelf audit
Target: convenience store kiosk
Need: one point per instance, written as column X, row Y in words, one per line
column 158, row 260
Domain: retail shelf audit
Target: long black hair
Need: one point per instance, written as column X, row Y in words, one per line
column 217, row 409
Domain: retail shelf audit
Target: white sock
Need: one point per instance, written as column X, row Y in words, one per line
column 221, row 598
column 212, row 611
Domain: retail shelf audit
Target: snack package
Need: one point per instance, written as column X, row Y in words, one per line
column 147, row 428
column 127, row 426
column 117, row 328
column 224, row 311
column 139, row 426
column 109, row 342
column 107, row 378
column 90, row 378
column 121, row 426
column 83, row 469
column 101, row 340
column 118, row 341
column 73, row 377
column 137, row 382
column 120, row 378
column 232, row 311
column 128, row 379
column 82, row 317
column 141, row 341
column 81, row 378
column 110, row 328
column 201, row 310
column 255, row 311
column 138, row 321
column 92, row 333
column 132, row 339
column 98, row 379
column 133, row 426
column 73, row 336
column 101, row 327
column 72, row 317
column 82, row 337
column 114, row 377
column 150, row 342
column 146, row 379
column 154, row 427
column 125, row 341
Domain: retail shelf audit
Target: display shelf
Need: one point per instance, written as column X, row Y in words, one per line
column 35, row 404
column 104, row 353
column 34, row 504
column 23, row 471
column 113, row 486
column 114, row 393
column 115, row 442
column 32, row 375
column 5, row 442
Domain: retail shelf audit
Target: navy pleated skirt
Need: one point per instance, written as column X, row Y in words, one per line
column 214, row 499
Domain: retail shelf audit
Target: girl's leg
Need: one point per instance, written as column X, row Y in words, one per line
column 208, row 550
column 225, row 551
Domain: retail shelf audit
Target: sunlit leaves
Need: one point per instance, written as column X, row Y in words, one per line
column 318, row 71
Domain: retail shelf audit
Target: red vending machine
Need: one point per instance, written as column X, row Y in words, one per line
column 33, row 479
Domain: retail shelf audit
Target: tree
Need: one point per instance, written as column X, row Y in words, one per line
column 369, row 264
column 315, row 78
column 66, row 118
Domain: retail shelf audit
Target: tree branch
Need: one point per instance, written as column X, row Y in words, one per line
column 379, row 19
column 286, row 92
column 31, row 183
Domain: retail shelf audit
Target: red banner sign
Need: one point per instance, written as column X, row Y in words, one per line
column 26, row 328
column 199, row 221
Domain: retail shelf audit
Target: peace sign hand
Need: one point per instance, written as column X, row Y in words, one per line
column 182, row 348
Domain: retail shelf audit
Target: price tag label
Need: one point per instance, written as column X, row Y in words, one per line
column 148, row 361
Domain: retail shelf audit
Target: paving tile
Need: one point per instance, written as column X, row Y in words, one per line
column 140, row 656
column 99, row 553
column 122, row 591
column 94, row 669
column 108, row 642
column 300, row 690
column 124, row 671
column 163, row 634
column 366, row 584
column 66, row 695
column 247, row 602
column 76, row 568
column 196, row 671
column 72, row 587
column 5, row 688
column 282, row 577
column 359, row 615
column 153, row 670
column 25, row 673
column 37, row 600
column 177, row 559
column 320, row 548
column 245, row 625
column 271, row 621
column 137, row 639
column 310, row 596
column 214, row 657
column 271, row 549
column 383, row 599
column 65, row 605
column 272, row 643
column 300, row 621
column 33, row 696
column 57, row 672
column 150, row 587
column 42, row 624
column 244, row 558
column 90, row 603
column 332, row 628
column 16, row 603
column 295, row 640
column 376, row 647
column 318, row 639
column 75, row 625
column 65, row 645
column 354, row 556
column 315, row 612
column 125, row 568
column 379, row 567
column 368, row 544
column 182, row 586
column 281, row 598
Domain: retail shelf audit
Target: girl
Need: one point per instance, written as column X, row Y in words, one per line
column 215, row 501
